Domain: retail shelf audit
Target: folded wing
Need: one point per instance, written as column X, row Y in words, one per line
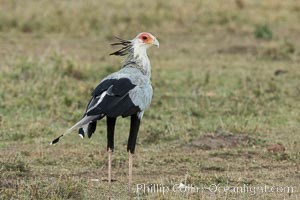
column 111, row 98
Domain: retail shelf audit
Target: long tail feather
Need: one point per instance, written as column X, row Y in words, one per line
column 65, row 133
column 79, row 124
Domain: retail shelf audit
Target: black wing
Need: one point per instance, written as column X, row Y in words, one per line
column 111, row 98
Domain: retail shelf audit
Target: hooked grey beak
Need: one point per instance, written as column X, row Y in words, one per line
column 156, row 42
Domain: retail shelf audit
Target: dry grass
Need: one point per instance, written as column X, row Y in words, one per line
column 217, row 111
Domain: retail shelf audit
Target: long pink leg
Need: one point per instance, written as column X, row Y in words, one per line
column 130, row 155
column 109, row 172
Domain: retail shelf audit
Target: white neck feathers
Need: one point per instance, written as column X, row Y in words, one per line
column 138, row 54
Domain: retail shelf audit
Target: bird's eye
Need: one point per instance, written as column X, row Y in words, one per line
column 144, row 38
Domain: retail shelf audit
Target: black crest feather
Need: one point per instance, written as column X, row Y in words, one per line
column 124, row 50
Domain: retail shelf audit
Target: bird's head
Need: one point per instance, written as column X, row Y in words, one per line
column 141, row 42
column 145, row 40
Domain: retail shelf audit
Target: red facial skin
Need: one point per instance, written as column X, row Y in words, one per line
column 146, row 38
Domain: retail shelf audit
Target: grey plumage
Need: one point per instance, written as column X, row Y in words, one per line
column 125, row 93
column 110, row 98
column 141, row 94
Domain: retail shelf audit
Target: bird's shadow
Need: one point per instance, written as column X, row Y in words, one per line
column 106, row 180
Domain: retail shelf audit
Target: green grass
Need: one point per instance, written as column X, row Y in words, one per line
column 217, row 105
column 263, row 32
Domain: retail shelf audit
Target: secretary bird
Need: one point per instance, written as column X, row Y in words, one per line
column 127, row 92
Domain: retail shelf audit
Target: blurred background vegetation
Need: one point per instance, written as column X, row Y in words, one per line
column 226, row 95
